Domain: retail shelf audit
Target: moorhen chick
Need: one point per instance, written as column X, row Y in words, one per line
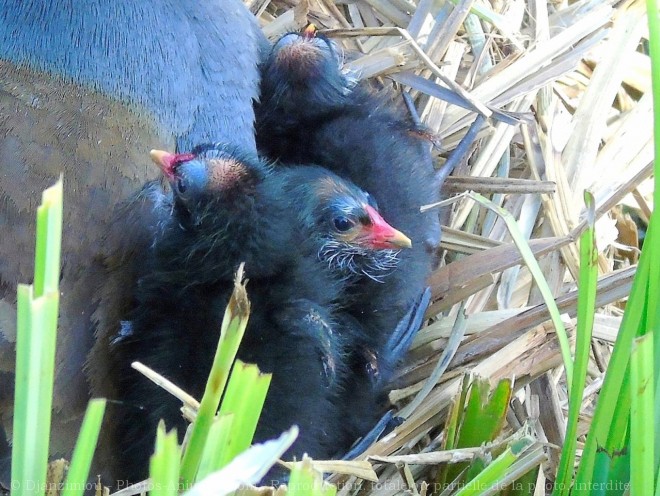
column 309, row 110
column 288, row 226
column 83, row 87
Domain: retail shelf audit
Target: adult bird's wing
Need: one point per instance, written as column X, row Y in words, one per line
column 190, row 65
column 87, row 88
column 50, row 127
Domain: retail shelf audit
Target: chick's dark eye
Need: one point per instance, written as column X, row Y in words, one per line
column 342, row 224
column 181, row 185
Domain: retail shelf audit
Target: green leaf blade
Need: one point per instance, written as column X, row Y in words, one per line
column 84, row 450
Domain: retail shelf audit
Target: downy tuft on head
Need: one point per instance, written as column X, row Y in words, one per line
column 225, row 211
column 304, row 70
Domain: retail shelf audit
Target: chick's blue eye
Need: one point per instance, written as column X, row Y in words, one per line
column 181, row 186
column 342, row 224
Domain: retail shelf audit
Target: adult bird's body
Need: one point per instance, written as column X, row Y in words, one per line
column 85, row 89
column 310, row 111
column 230, row 207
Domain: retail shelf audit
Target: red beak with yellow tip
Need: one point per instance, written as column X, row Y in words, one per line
column 164, row 161
column 380, row 235
column 167, row 161
column 310, row 31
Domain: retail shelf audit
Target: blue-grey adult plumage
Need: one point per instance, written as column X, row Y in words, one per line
column 86, row 88
column 191, row 63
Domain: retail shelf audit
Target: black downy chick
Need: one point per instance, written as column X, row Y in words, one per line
column 181, row 286
column 229, row 207
column 310, row 111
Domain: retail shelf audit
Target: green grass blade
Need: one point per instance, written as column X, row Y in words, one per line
column 485, row 412
column 37, row 310
column 216, row 443
column 164, row 464
column 654, row 51
column 520, row 476
column 19, row 461
column 476, row 417
column 484, row 418
column 305, row 481
column 244, row 398
column 83, row 453
column 653, row 17
column 455, row 415
column 617, row 444
column 525, row 485
column 585, row 322
column 496, row 471
column 30, row 448
column 611, row 465
column 537, row 274
column 49, row 241
column 642, row 313
column 328, row 490
column 612, row 398
column 642, row 428
column 247, row 468
column 451, row 430
column 232, row 330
